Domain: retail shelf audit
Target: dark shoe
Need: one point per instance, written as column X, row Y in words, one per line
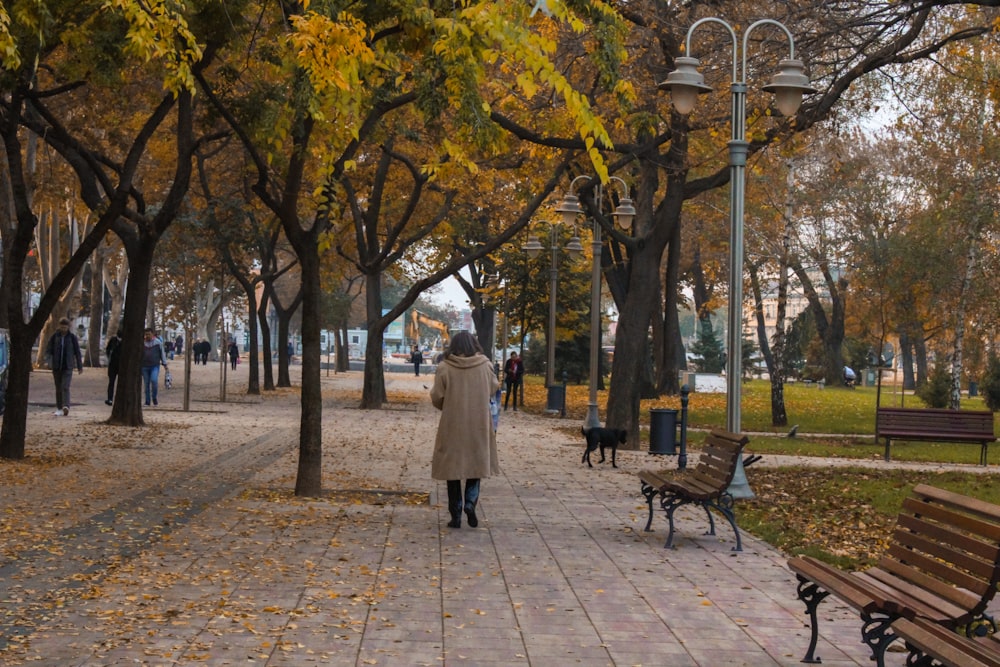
column 147, row 404
column 108, row 402
column 154, row 402
column 456, row 520
column 470, row 512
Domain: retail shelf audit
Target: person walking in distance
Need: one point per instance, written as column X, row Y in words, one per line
column 152, row 357
column 113, row 352
column 416, row 358
column 63, row 352
column 513, row 375
column 465, row 446
column 234, row 354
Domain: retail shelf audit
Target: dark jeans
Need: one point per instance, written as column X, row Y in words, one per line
column 455, row 494
column 62, row 378
column 111, row 386
column 512, row 387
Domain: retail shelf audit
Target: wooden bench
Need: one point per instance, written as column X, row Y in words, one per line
column 942, row 564
column 707, row 485
column 935, row 426
column 930, row 644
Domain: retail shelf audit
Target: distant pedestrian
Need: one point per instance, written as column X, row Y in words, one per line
column 416, row 358
column 513, row 376
column 234, row 354
column 201, row 350
column 179, row 345
column 465, row 446
column 113, row 352
column 153, row 356
column 63, row 353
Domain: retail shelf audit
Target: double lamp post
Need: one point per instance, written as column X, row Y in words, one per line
column 569, row 209
column 685, row 84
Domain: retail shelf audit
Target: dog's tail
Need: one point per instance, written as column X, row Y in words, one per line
column 584, row 430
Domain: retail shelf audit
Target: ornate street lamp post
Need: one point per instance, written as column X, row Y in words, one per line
column 569, row 208
column 789, row 85
column 573, row 249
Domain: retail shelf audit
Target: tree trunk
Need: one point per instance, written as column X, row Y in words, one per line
column 253, row 359
column 15, row 416
column 127, row 408
column 674, row 357
column 95, row 337
column 642, row 289
column 284, row 354
column 265, row 339
column 373, row 394
column 632, row 345
column 309, row 479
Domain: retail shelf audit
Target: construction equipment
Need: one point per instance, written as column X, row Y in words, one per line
column 418, row 319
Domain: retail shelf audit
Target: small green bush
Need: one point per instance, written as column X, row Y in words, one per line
column 936, row 392
column 989, row 387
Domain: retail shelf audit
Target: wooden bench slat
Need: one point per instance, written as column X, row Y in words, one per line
column 909, row 597
column 980, row 508
column 950, row 565
column 986, row 551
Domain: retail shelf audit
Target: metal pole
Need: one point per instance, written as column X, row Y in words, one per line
column 738, row 149
column 550, row 366
column 593, row 417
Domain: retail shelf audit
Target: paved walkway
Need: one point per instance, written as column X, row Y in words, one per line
column 180, row 544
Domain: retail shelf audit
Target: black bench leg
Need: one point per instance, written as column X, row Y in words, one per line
column 711, row 520
column 877, row 634
column 725, row 507
column 670, row 505
column 811, row 595
column 649, row 492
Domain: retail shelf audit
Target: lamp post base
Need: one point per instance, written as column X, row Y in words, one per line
column 739, row 488
column 593, row 417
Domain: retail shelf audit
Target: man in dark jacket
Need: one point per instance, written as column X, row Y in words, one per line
column 63, row 352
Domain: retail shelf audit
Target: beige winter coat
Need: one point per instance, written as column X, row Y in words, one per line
column 466, row 446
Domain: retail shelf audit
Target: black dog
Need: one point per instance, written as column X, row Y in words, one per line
column 603, row 437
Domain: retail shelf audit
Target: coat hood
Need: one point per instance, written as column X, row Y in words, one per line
column 467, row 362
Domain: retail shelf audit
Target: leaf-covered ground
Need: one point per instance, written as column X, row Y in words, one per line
column 815, row 510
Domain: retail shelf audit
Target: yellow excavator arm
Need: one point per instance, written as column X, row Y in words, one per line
column 418, row 319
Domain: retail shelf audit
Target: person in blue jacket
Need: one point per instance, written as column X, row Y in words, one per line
column 153, row 355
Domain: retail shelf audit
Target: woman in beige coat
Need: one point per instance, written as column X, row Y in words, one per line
column 466, row 446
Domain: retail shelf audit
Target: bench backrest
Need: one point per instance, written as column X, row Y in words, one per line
column 947, row 544
column 717, row 463
column 957, row 422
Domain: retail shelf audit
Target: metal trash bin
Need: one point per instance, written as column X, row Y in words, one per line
column 662, row 431
column 556, row 399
